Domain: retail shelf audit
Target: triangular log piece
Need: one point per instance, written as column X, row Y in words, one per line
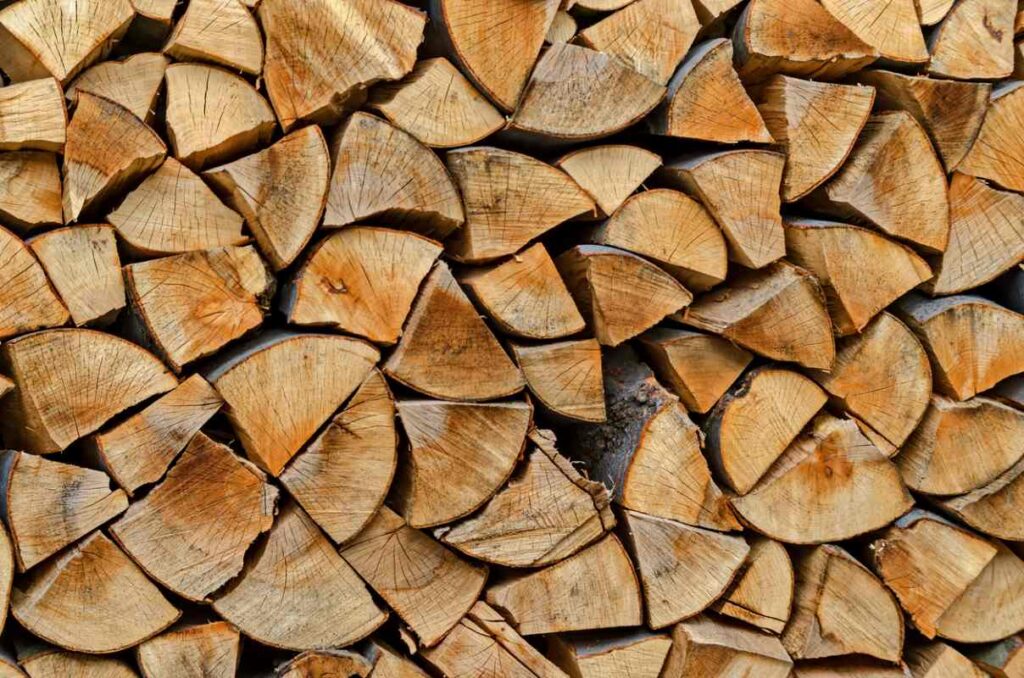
column 137, row 451
column 594, row 589
column 191, row 532
column 510, row 199
column 220, row 31
column 236, row 121
column 707, row 101
column 318, row 600
column 429, row 586
column 51, row 662
column 636, row 653
column 39, row 38
column 609, row 174
column 992, row 509
column 706, row 646
column 649, row 452
column 996, row 151
column 938, row 660
column 892, row 28
column 894, row 181
column 30, row 192
column 830, row 485
column 619, row 293
column 330, row 662
column 29, row 301
column 387, row 663
column 382, row 172
column 577, row 94
column 154, row 18
column 71, row 382
column 754, row 423
column 778, row 312
column 108, row 150
column 281, row 191
column 32, row 115
column 437, row 104
column 741, row 191
column 933, row 11
column 132, row 83
column 525, row 296
column 816, row 124
column 860, row 271
column 590, row 7
column 565, row 377
column 444, row 340
column 305, row 376
column 210, row 650
column 762, row 592
column 91, row 598
column 959, row 447
column 1004, row 656
column 850, row 667
column 974, row 41
column 321, row 55
column 563, row 28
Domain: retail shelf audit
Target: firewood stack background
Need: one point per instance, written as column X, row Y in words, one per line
column 512, row 338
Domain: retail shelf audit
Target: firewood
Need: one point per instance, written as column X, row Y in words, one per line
column 68, row 387
column 778, row 312
column 707, row 101
column 91, row 598
column 594, row 589
column 51, row 662
column 1002, row 659
column 609, row 174
column 974, row 41
column 620, row 294
column 741, row 191
column 850, row 667
column 306, row 377
column 891, row 28
column 29, row 301
column 636, row 653
column 385, row 173
column 325, row 663
column 933, row 11
column 48, row 505
column 762, row 593
column 996, row 150
column 860, row 271
column 437, row 104
column 321, row 55
column 389, row 664
column 444, row 340
column 831, row 484
column 428, row 586
column 210, row 650
column 705, row 646
column 565, row 377
column 510, row 199
column 153, row 19
column 991, row 508
column 30, row 192
column 460, row 454
column 343, row 475
column 132, row 83
column 816, row 124
column 938, row 660
column 753, row 424
column 32, row 115
column 318, row 600
column 588, row 7
column 223, row 32
column 563, row 28
column 525, row 296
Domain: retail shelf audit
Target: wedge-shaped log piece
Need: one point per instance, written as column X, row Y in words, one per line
column 220, row 31
column 577, row 94
column 741, row 191
column 546, row 513
column 830, row 485
column 327, row 662
column 211, row 650
column 778, row 312
column 132, row 83
column 510, row 199
column 50, row 37
column 933, row 11
column 619, row 293
column 444, row 340
column 850, row 667
column 32, row 115
column 49, row 662
column 705, row 646
column 635, row 653
column 565, row 377
column 892, row 28
column 108, row 149
column 71, row 382
column 155, row 18
column 1003, row 658
column 594, row 589
column 388, row 663
column 321, row 55
column 816, row 124
column 82, row 264
column 29, row 302
column 139, row 450
column 609, row 174
column 30, row 193
column 318, row 600
column 992, row 508
column 305, row 377
column 974, row 41
column 707, row 101
column 382, row 172
column 525, row 296
column 938, row 660
column 996, row 152
column 437, row 104
column 753, row 424
column 91, row 598
column 762, row 593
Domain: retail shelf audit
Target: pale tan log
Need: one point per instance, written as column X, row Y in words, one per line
column 48, row 505
column 30, row 192
column 7, row 571
column 83, row 266
column 387, row 663
column 753, row 424
column 892, row 28
column 594, row 589
column 762, row 592
column 563, row 28
column 996, row 151
column 933, row 11
column 638, row 654
column 133, row 83
column 591, row 6
column 778, row 312
column 705, row 646
column 91, row 598
column 318, row 600
column 816, row 124
column 993, row 508
column 71, row 382
column 565, row 377
column 108, row 149
column 707, row 101
column 29, row 300
column 211, row 650
column 620, row 294
column 437, row 104
column 322, row 663
column 1002, row 659
column 384, row 173
column 938, row 660
column 850, row 667
column 830, row 485
column 50, row 662
column 321, row 55
column 741, row 191
column 428, row 586
column 510, row 199
column 445, row 339
column 974, row 41
column 32, row 115
column 154, row 18
column 40, row 38
column 223, row 32
column 281, row 191
column 609, row 174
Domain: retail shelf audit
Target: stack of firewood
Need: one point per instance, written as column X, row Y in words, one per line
column 512, row 338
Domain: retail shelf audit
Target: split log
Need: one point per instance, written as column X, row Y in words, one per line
column 636, row 653
column 996, row 151
column 210, row 650
column 588, row 7
column 974, row 41
column 762, row 592
column 329, row 662
column 992, row 508
column 938, row 660
column 933, row 11
column 892, row 28
column 705, row 646
column 850, row 668
column 389, row 664
column 609, row 174
column 32, row 115
column 563, row 28
column 565, row 377
column 133, row 83
column 29, row 300
column 1002, row 659
column 223, row 32
column 154, row 19
column 51, row 662
column 30, row 192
